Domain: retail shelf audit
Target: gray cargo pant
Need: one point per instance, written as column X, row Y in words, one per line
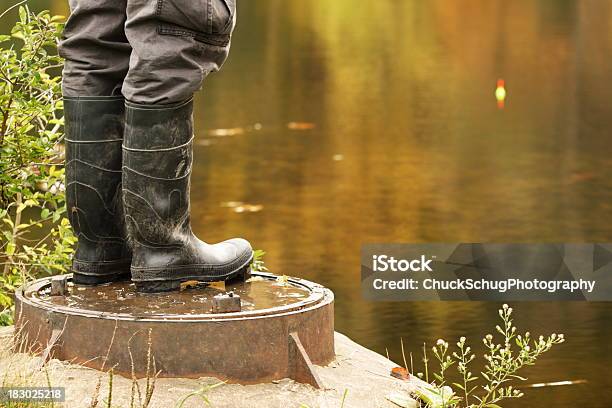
column 151, row 51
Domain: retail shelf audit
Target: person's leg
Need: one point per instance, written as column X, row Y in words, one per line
column 96, row 56
column 95, row 48
column 176, row 43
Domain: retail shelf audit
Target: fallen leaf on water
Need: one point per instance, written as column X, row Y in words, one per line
column 400, row 372
column 231, row 204
column 226, row 132
column 580, row 177
column 189, row 284
column 240, row 207
column 338, row 157
column 248, row 208
column 300, row 125
column 218, row 285
column 282, row 280
column 255, row 279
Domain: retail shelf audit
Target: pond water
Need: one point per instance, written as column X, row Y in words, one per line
column 193, row 298
column 338, row 123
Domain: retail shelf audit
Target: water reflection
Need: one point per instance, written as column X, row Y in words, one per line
column 403, row 93
column 122, row 297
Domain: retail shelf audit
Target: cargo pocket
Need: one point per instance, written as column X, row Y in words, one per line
column 207, row 21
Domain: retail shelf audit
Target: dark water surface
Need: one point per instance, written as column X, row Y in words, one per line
column 195, row 299
column 397, row 137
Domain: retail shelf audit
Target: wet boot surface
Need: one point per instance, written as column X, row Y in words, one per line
column 94, row 133
column 157, row 161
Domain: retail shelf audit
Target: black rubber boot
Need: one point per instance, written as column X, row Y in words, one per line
column 94, row 132
column 157, row 159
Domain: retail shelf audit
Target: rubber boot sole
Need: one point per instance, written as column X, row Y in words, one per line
column 92, row 280
column 241, row 274
column 98, row 274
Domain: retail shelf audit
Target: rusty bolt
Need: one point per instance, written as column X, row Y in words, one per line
column 58, row 285
column 226, row 303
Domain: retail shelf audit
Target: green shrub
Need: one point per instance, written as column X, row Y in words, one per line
column 35, row 237
column 506, row 355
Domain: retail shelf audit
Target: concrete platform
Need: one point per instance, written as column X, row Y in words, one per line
column 364, row 373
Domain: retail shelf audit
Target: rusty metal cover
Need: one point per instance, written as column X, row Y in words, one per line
column 246, row 347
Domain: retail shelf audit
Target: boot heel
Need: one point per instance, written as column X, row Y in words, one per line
column 97, row 273
column 242, row 275
column 93, row 280
column 157, row 286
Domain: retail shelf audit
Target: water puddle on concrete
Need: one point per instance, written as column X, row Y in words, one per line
column 121, row 297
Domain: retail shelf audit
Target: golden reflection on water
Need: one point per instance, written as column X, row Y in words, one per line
column 404, row 93
column 122, row 298
column 408, row 145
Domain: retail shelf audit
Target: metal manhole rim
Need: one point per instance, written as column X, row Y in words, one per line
column 318, row 294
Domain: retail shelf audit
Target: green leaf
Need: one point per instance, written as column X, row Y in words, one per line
column 22, row 14
column 459, row 386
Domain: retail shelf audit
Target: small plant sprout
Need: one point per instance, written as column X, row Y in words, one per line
column 201, row 393
column 441, row 352
column 258, row 264
column 425, row 362
column 464, row 358
column 505, row 354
